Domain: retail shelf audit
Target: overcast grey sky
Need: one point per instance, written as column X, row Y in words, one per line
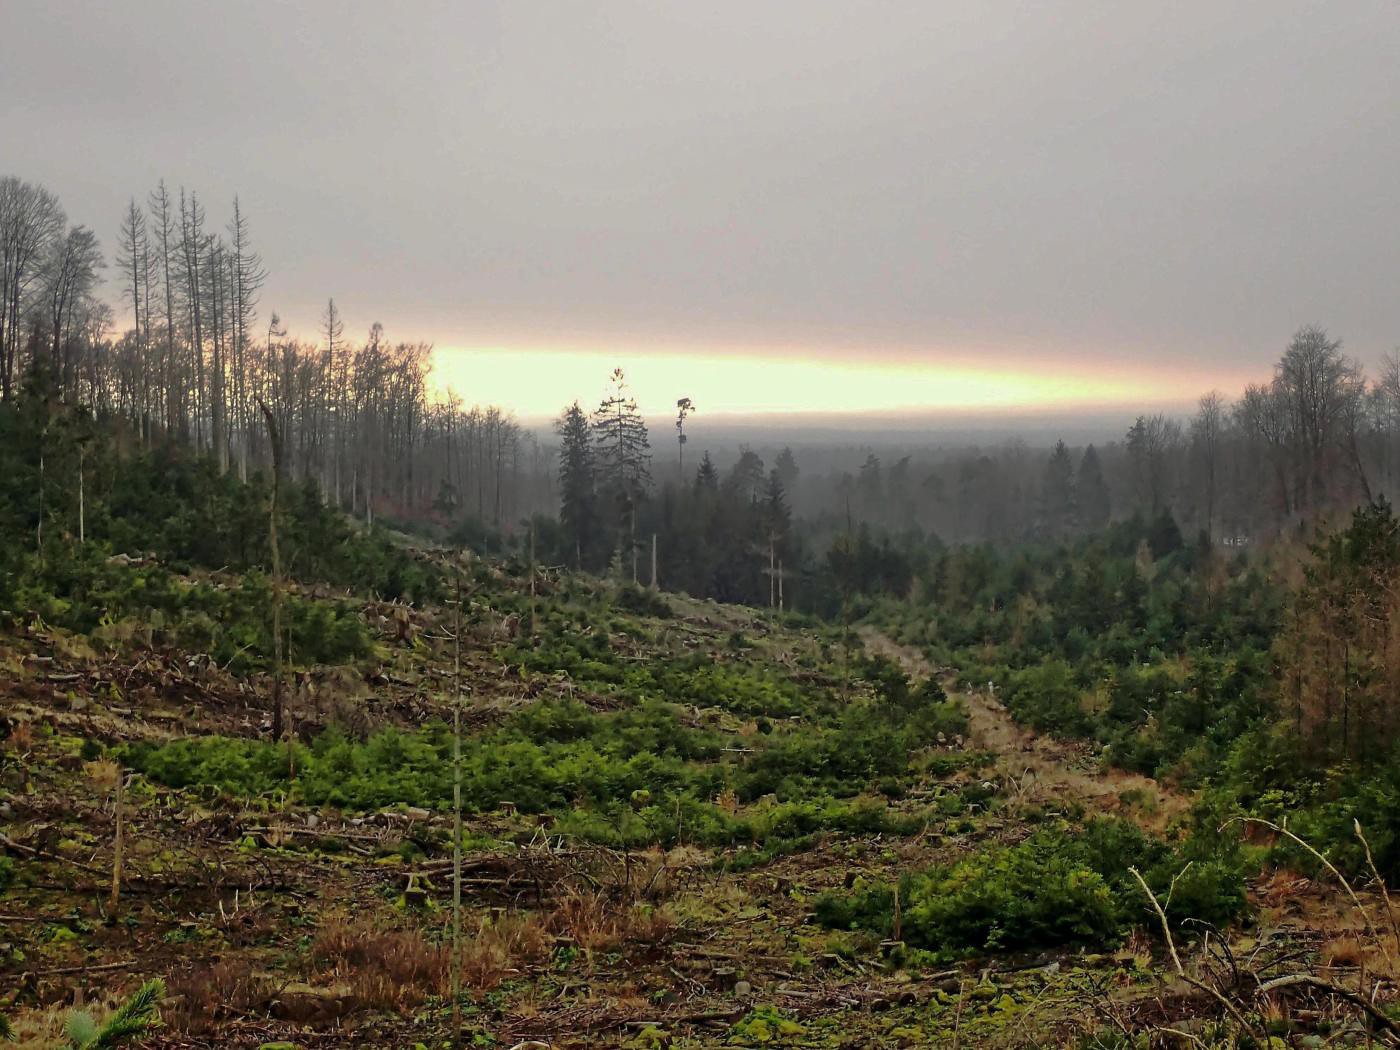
column 1180, row 182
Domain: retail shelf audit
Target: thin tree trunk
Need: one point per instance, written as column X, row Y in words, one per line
column 457, row 811
column 39, row 529
column 118, row 844
column 82, row 535
column 277, row 701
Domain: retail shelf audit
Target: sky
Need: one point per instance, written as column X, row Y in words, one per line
column 907, row 208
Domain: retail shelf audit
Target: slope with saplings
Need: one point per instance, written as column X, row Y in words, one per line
column 684, row 824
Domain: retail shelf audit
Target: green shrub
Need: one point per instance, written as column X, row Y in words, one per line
column 1058, row 887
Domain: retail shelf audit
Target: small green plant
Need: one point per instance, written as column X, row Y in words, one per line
column 765, row 1024
column 133, row 1019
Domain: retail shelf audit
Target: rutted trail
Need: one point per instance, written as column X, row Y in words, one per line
column 1035, row 763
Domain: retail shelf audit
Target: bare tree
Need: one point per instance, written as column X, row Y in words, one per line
column 1263, row 413
column 1152, row 441
column 136, row 264
column 70, row 274
column 247, row 275
column 1315, row 381
column 163, row 226
column 31, row 221
column 1386, row 395
column 332, row 327
column 191, row 252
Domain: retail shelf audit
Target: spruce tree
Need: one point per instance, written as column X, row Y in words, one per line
column 1091, row 493
column 787, row 469
column 706, row 477
column 1057, row 494
column 577, row 482
column 871, row 485
column 623, row 458
column 777, row 516
column 745, row 480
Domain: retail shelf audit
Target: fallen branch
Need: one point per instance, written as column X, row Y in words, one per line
column 1233, row 1010
column 1317, row 984
column 62, row 970
column 43, row 854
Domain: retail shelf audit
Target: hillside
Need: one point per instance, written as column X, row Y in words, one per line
column 311, row 885
column 683, row 823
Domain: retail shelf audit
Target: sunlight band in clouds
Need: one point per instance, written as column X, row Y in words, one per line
column 538, row 383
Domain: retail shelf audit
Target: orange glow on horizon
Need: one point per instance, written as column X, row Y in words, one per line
column 539, row 383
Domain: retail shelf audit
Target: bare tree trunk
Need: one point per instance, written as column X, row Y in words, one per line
column 275, row 438
column 39, row 528
column 772, row 575
column 457, row 809
column 117, row 843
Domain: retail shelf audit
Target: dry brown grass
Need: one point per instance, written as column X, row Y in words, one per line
column 397, row 969
column 21, row 740
column 499, row 947
column 383, row 969
column 1345, row 952
column 596, row 924
column 204, row 994
column 40, row 1029
column 390, row 968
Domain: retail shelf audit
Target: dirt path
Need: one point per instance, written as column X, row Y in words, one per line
column 1041, row 767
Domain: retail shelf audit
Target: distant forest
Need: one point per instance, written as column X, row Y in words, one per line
column 202, row 370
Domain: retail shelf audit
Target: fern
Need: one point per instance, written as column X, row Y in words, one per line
column 7, row 1031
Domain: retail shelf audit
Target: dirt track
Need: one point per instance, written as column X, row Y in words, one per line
column 1039, row 766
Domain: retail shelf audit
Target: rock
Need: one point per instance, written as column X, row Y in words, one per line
column 313, row 820
column 743, row 988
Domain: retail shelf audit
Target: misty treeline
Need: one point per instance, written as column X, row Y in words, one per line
column 802, row 530
column 1318, row 438
column 355, row 416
